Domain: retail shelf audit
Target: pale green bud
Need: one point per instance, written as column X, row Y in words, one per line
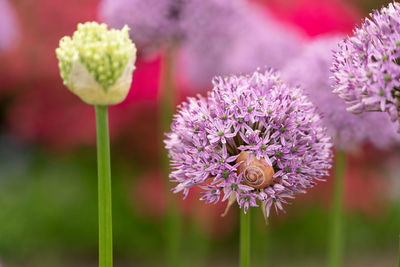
column 97, row 64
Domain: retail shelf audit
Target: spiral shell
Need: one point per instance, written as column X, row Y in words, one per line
column 256, row 173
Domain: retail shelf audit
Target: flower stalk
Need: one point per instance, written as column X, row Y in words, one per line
column 336, row 237
column 104, row 187
column 96, row 64
column 399, row 250
column 167, row 105
column 245, row 239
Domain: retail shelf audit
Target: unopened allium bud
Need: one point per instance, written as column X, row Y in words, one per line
column 96, row 64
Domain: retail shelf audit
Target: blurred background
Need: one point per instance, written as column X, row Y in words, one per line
column 48, row 181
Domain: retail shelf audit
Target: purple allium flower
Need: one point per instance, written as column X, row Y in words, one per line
column 153, row 22
column 366, row 68
column 311, row 71
column 240, row 39
column 8, row 25
column 252, row 140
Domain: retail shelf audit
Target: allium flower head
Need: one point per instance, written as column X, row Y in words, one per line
column 366, row 68
column 252, row 140
column 97, row 64
column 311, row 70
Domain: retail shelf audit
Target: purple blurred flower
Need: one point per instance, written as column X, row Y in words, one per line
column 253, row 140
column 153, row 22
column 262, row 42
column 216, row 36
column 366, row 68
column 211, row 26
column 310, row 70
column 240, row 39
column 8, row 25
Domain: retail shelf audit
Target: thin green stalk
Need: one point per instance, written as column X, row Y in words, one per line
column 104, row 187
column 199, row 245
column 260, row 240
column 167, row 90
column 245, row 239
column 337, row 238
column 399, row 250
column 173, row 221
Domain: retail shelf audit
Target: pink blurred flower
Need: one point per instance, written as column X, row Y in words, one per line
column 8, row 25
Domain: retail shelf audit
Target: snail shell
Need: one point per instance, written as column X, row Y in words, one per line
column 256, row 173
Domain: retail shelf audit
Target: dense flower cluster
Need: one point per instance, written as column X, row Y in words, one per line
column 348, row 130
column 366, row 68
column 252, row 140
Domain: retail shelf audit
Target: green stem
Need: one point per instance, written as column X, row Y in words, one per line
column 104, row 187
column 173, row 221
column 167, row 90
column 244, row 239
column 399, row 250
column 336, row 238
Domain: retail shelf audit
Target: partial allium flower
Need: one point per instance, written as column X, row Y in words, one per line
column 8, row 27
column 211, row 26
column 154, row 22
column 97, row 64
column 252, row 140
column 366, row 68
column 240, row 39
column 311, row 70
column 272, row 44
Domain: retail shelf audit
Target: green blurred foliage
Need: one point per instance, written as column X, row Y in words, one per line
column 49, row 211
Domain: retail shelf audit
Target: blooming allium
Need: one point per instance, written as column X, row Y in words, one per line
column 366, row 68
column 8, row 27
column 311, row 71
column 155, row 22
column 252, row 140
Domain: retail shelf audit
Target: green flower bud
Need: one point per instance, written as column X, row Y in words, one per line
column 97, row 64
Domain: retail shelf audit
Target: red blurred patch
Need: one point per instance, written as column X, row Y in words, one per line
column 148, row 194
column 316, row 16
